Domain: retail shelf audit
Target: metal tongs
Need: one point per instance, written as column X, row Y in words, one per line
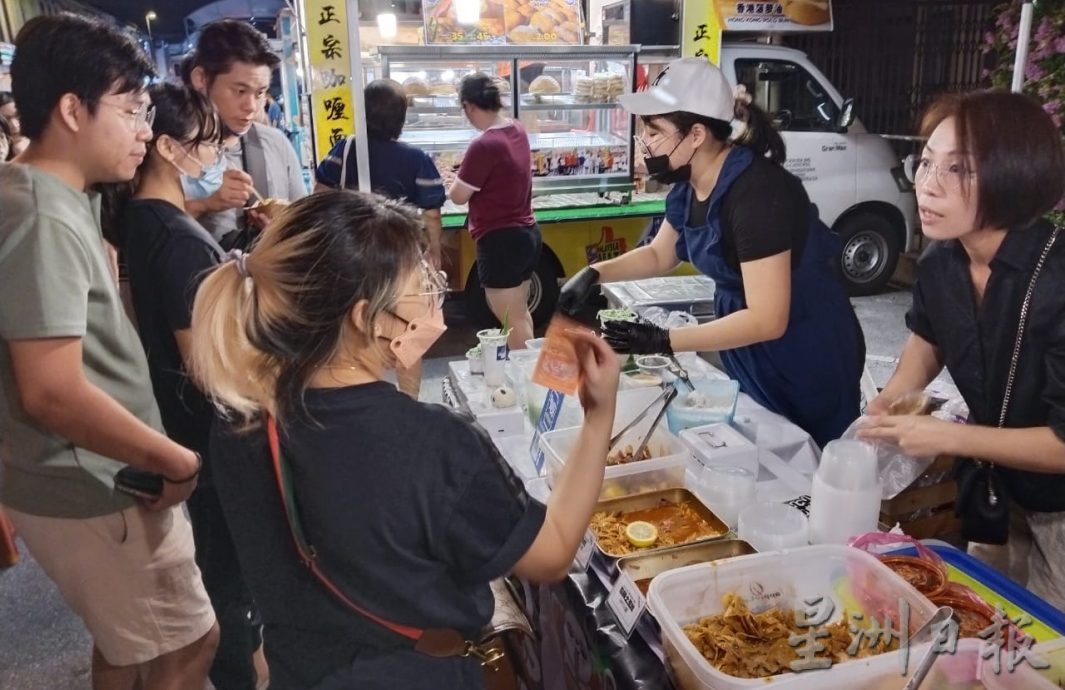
column 665, row 397
column 677, row 370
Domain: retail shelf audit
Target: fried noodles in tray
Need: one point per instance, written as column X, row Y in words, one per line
column 677, row 523
column 749, row 645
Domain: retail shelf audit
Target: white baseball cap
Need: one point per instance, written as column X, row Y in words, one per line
column 689, row 85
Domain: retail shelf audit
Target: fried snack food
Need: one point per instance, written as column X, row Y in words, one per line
column 413, row 86
column 627, row 454
column 442, row 89
column 545, row 84
column 749, row 645
column 807, row 12
column 677, row 523
column 271, row 208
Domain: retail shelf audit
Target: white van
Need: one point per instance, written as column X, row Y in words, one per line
column 853, row 176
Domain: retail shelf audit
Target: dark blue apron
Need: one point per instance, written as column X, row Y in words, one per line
column 811, row 374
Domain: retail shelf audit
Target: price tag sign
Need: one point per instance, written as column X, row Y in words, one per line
column 584, row 552
column 626, row 603
column 548, row 419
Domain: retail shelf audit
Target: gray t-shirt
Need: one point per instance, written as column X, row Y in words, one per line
column 55, row 282
column 267, row 155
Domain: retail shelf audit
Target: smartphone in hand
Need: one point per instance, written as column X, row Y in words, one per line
column 138, row 483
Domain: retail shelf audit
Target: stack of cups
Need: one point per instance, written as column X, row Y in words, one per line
column 494, row 350
column 845, row 500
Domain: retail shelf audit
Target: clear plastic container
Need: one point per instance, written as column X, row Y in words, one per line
column 771, row 526
column 720, row 444
column 853, row 579
column 725, row 489
column 669, row 455
column 720, row 398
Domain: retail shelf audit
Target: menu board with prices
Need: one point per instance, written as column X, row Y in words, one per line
column 779, row 15
column 520, row 22
column 442, row 24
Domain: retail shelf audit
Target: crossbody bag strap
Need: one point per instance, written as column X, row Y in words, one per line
column 306, row 552
column 1022, row 322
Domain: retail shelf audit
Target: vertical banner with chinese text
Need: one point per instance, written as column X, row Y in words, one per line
column 330, row 73
column 701, row 29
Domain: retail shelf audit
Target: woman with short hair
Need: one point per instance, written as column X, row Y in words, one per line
column 993, row 165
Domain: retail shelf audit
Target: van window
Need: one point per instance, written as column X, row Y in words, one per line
column 793, row 98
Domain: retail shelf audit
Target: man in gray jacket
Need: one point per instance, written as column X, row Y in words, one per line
column 232, row 65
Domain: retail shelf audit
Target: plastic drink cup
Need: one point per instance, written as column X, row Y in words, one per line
column 494, row 351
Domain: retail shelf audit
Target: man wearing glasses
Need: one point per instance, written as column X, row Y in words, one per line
column 77, row 403
column 232, row 65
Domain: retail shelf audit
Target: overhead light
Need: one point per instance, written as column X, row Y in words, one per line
column 386, row 24
column 468, row 11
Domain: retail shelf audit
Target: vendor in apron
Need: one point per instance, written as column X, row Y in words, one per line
column 784, row 325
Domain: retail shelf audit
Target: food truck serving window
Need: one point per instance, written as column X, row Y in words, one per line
column 795, row 100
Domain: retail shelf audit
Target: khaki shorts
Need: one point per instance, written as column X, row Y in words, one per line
column 1033, row 554
column 130, row 576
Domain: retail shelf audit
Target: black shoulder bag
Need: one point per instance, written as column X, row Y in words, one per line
column 983, row 504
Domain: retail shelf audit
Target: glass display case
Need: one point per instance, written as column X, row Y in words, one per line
column 564, row 96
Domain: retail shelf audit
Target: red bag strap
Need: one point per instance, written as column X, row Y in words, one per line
column 306, row 552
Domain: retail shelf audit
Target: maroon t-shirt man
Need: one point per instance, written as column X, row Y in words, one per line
column 498, row 167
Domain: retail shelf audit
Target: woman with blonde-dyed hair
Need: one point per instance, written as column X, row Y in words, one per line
column 409, row 507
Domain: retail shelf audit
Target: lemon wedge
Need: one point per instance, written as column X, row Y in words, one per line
column 641, row 533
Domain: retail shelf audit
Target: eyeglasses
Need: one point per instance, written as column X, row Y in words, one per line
column 645, row 149
column 143, row 116
column 435, row 283
column 950, row 176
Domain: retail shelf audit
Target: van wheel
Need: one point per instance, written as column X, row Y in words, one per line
column 870, row 252
column 543, row 293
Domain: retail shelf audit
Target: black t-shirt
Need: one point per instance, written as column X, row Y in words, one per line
column 412, row 512
column 168, row 253
column 976, row 342
column 765, row 212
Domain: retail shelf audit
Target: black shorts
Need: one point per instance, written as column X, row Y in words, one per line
column 508, row 257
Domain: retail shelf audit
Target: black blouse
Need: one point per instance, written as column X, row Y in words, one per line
column 975, row 341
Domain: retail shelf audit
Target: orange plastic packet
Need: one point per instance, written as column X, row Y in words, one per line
column 557, row 366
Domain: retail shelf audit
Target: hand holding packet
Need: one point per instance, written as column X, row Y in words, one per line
column 558, row 367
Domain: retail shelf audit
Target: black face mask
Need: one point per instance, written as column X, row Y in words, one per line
column 658, row 168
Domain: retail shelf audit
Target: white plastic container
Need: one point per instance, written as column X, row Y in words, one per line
column 772, row 526
column 672, row 455
column 853, row 579
column 845, row 496
column 669, row 455
column 725, row 489
column 720, row 444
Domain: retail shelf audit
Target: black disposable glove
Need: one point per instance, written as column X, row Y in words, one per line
column 637, row 338
column 577, row 290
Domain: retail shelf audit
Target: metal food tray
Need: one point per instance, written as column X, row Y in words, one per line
column 644, row 566
column 629, row 504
